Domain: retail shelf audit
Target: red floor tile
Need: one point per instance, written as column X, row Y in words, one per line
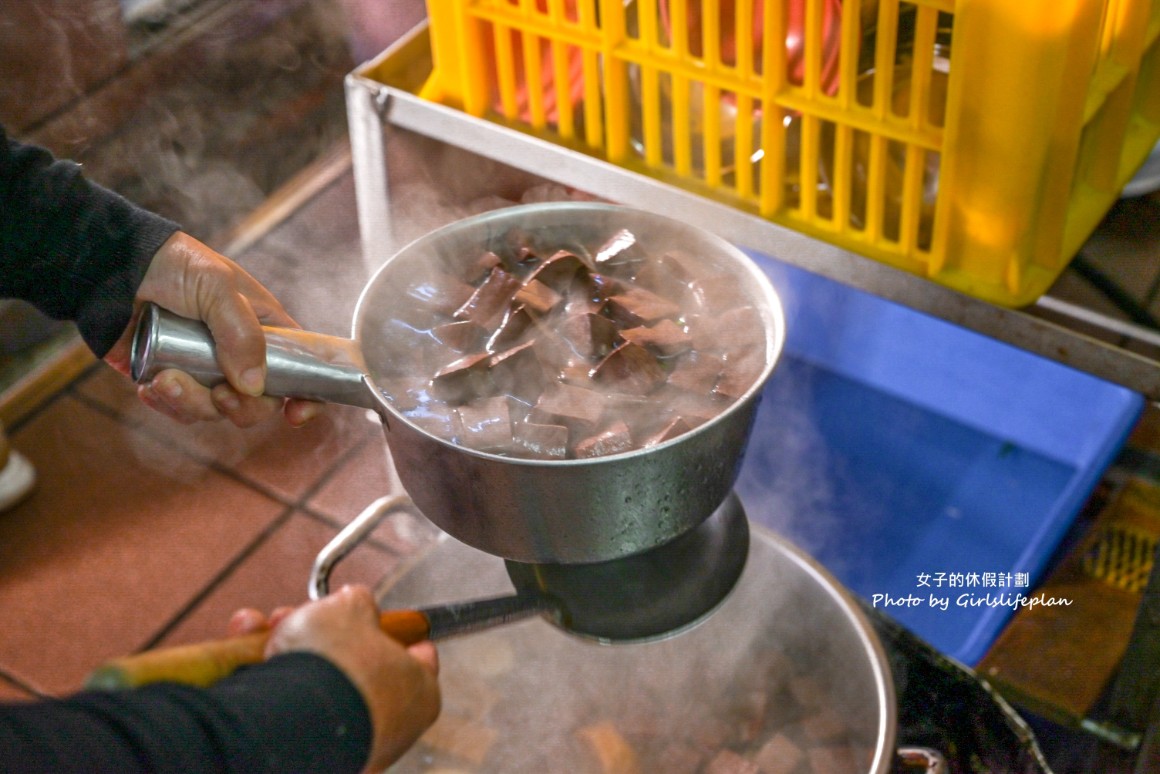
column 287, row 462
column 123, row 532
column 277, row 573
column 364, row 478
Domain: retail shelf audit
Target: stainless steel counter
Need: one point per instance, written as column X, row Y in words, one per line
column 382, row 97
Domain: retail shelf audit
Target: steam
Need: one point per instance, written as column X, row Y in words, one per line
column 528, row 696
column 793, row 489
column 616, row 339
column 372, row 25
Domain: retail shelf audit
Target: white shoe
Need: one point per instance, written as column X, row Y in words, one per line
column 16, row 480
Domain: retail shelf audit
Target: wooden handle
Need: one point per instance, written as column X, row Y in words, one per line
column 204, row 663
column 200, row 664
column 405, row 626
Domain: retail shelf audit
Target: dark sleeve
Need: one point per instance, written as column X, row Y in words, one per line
column 294, row 713
column 73, row 249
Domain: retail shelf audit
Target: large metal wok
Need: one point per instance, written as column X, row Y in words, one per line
column 786, row 671
column 536, row 511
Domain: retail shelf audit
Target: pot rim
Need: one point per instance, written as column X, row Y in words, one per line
column 869, row 640
column 764, row 293
column 872, row 654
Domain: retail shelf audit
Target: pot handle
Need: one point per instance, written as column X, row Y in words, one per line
column 299, row 364
column 920, row 760
column 350, row 536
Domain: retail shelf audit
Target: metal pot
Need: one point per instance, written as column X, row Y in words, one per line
column 536, row 511
column 787, row 654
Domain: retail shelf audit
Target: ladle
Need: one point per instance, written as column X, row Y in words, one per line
column 646, row 596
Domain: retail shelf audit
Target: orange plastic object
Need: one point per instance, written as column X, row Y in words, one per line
column 974, row 142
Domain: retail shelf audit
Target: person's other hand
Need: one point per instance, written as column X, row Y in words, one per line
column 192, row 280
column 399, row 685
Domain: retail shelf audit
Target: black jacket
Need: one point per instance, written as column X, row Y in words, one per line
column 294, row 713
column 73, row 249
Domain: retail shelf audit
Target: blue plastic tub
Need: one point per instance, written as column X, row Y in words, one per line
column 921, row 463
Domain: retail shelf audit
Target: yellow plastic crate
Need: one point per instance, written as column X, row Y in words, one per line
column 974, row 142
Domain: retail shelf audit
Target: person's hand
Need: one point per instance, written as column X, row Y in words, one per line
column 399, row 684
column 192, row 280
